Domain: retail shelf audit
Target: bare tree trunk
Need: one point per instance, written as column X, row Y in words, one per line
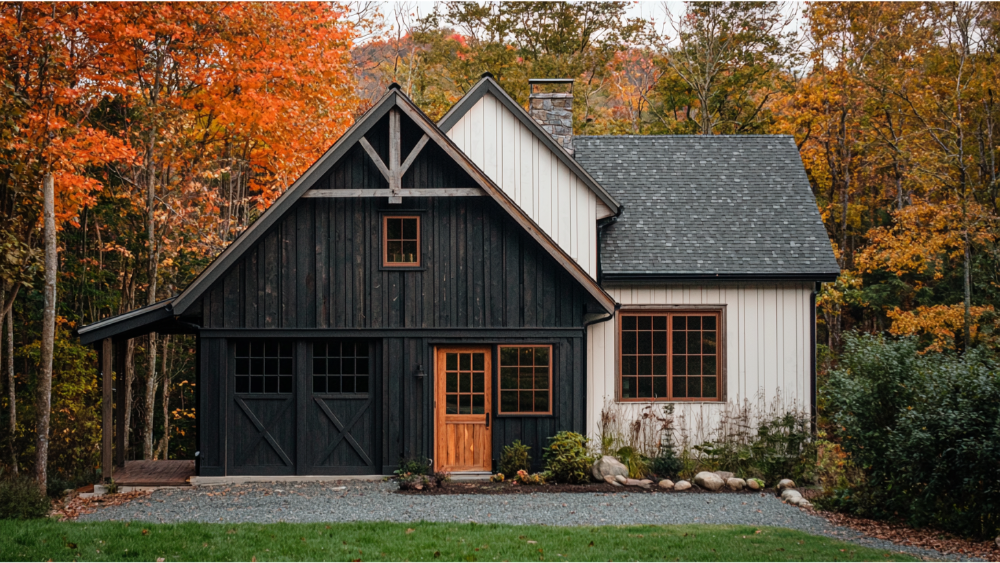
column 11, row 395
column 129, row 383
column 967, row 324
column 44, row 396
column 150, row 399
column 165, row 440
column 154, row 259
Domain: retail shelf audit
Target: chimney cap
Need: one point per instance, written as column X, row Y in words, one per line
column 486, row 74
column 395, row 86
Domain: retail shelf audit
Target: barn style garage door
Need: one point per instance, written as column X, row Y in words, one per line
column 301, row 408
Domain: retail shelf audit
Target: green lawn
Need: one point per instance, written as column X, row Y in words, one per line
column 43, row 540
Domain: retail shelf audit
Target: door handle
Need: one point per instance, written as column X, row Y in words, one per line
column 487, row 420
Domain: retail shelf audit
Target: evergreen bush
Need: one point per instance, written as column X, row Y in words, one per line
column 22, row 499
column 925, row 431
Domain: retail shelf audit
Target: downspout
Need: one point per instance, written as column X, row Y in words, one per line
column 601, row 224
column 812, row 355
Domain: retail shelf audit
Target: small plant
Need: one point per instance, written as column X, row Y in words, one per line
column 638, row 464
column 666, row 463
column 498, row 478
column 514, row 458
column 112, row 487
column 418, row 465
column 415, row 482
column 23, row 499
column 526, row 478
column 566, row 459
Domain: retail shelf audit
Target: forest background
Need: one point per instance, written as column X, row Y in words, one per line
column 138, row 140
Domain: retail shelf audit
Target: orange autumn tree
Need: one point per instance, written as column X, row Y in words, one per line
column 227, row 103
column 48, row 77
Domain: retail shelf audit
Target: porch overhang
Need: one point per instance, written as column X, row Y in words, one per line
column 158, row 317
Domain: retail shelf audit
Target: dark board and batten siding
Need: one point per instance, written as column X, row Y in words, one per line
column 318, row 274
column 321, row 268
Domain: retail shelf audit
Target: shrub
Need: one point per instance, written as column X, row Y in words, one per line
column 666, row 463
column 925, row 431
column 22, row 499
column 515, row 458
column 418, row 465
column 566, row 459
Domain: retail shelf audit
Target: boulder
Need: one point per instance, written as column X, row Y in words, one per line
column 709, row 481
column 666, row 484
column 645, row 484
column 789, row 494
column 753, row 485
column 621, row 479
column 682, row 486
column 725, row 475
column 611, row 479
column 786, row 484
column 608, row 465
column 736, row 484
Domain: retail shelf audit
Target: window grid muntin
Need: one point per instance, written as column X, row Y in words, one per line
column 465, row 382
column 516, row 362
column 401, row 233
column 642, row 374
column 262, row 367
column 341, row 368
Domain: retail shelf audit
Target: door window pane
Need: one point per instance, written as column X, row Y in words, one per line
column 465, row 382
column 340, row 367
column 262, row 367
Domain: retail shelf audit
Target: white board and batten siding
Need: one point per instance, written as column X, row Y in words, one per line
column 533, row 176
column 767, row 346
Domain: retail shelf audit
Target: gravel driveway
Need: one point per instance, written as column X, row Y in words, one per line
column 373, row 501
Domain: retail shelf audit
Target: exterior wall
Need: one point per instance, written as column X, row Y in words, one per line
column 527, row 171
column 767, row 346
column 318, row 274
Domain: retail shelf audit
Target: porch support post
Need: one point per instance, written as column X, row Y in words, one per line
column 120, row 404
column 107, row 428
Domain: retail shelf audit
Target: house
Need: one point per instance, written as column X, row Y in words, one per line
column 442, row 289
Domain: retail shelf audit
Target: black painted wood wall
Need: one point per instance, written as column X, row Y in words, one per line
column 318, row 274
column 482, row 280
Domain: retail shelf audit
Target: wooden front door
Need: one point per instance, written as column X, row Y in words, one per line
column 462, row 391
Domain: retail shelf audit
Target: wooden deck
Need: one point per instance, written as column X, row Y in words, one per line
column 168, row 473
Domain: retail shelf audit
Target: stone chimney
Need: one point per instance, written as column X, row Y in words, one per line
column 553, row 110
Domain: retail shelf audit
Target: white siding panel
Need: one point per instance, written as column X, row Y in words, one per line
column 766, row 346
column 538, row 182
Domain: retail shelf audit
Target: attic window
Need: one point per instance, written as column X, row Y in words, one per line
column 401, row 241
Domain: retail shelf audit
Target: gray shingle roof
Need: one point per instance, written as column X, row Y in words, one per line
column 708, row 205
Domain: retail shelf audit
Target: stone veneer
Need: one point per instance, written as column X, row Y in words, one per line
column 554, row 112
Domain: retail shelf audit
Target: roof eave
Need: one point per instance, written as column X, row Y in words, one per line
column 666, row 277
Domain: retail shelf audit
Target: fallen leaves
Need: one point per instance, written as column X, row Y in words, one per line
column 77, row 506
column 925, row 538
column 410, row 530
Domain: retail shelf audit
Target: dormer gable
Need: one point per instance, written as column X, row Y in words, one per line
column 502, row 139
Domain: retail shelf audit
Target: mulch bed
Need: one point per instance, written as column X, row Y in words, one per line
column 511, row 488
